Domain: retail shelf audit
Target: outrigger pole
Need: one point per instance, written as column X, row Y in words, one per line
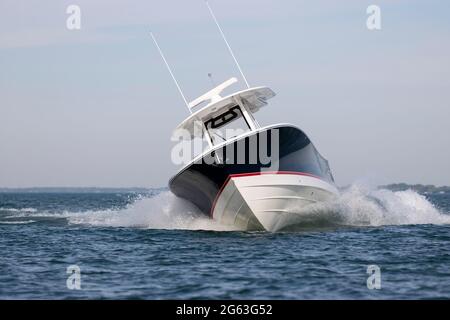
column 170, row 71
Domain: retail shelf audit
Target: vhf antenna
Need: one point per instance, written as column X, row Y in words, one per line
column 170, row 71
column 226, row 42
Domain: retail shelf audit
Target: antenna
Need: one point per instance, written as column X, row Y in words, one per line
column 170, row 71
column 225, row 39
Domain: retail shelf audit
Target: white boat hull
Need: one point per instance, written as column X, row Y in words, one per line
column 269, row 201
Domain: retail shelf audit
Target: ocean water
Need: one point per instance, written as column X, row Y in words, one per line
column 155, row 246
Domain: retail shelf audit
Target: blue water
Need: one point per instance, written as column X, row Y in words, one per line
column 154, row 246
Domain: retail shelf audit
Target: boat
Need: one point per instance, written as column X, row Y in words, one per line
column 233, row 182
column 249, row 176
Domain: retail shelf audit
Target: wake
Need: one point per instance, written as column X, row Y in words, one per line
column 359, row 205
column 163, row 211
column 356, row 206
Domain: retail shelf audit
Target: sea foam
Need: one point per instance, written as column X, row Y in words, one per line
column 357, row 205
column 360, row 205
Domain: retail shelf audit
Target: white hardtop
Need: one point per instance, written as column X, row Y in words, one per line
column 251, row 99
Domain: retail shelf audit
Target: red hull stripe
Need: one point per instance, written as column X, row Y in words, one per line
column 258, row 173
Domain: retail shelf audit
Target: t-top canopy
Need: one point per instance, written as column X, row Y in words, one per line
column 254, row 99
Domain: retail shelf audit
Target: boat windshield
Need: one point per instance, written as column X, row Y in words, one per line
column 227, row 125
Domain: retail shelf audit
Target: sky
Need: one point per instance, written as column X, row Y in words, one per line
column 96, row 106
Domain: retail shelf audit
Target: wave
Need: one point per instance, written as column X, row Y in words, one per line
column 18, row 210
column 360, row 205
column 356, row 206
column 17, row 222
column 162, row 211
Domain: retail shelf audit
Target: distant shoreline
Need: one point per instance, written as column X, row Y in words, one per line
column 421, row 188
column 393, row 187
column 78, row 190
